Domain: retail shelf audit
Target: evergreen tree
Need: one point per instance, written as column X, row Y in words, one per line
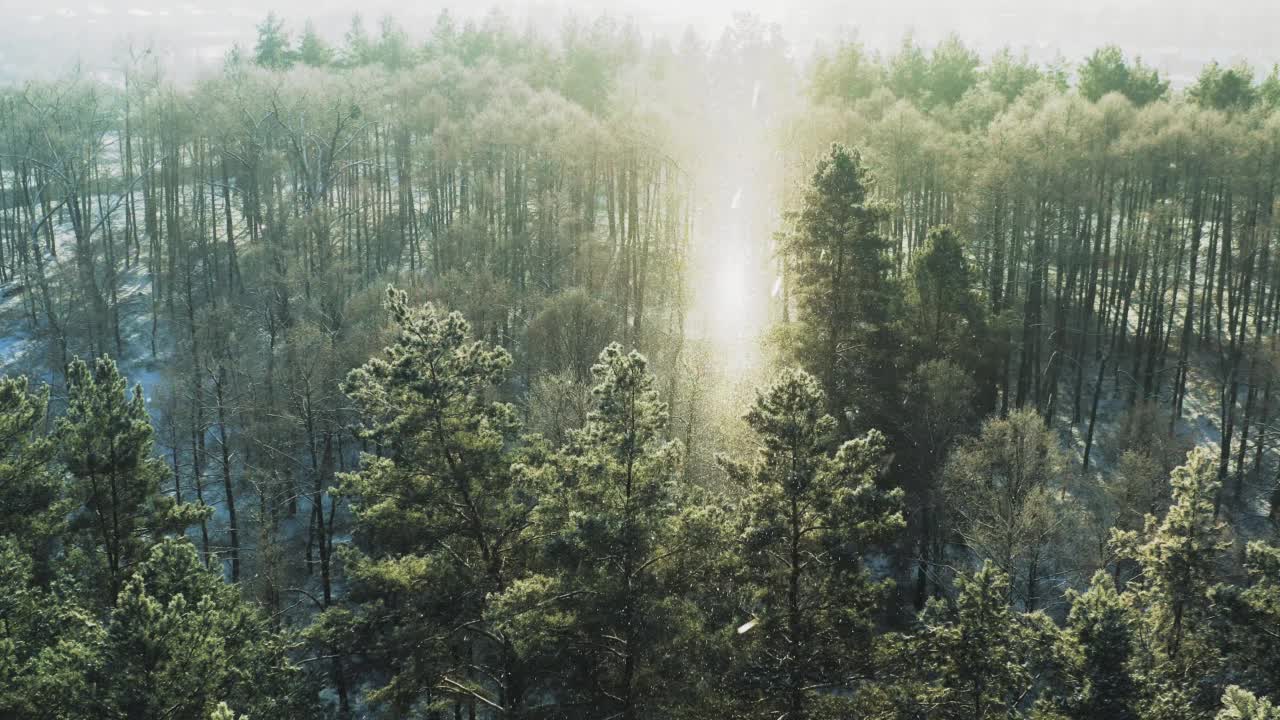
column 948, row 318
column 312, row 49
column 393, row 45
column 1177, row 557
column 982, row 656
column 440, row 519
column 1240, row 704
column 849, row 74
column 624, row 542
column 32, row 509
column 953, row 70
column 845, row 297
column 358, row 48
column 180, row 638
column 908, row 71
column 1230, row 89
column 272, row 48
column 50, row 646
column 1247, row 620
column 1098, row 649
column 105, row 443
column 1269, row 89
column 809, row 521
column 223, row 712
column 1009, row 75
column 1105, row 71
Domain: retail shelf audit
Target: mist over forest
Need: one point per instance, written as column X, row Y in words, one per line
column 560, row 361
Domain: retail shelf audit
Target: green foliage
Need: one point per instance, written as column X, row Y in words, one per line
column 1105, row 71
column 1097, row 650
column 846, row 74
column 32, row 509
column 809, row 520
column 953, row 71
column 177, row 638
column 982, row 657
column 393, row 49
column 313, row 51
column 223, row 712
column 1003, row 488
column 1011, row 75
column 1269, row 89
column 1177, row 558
column 547, row 191
column 949, row 319
column 105, row 443
column 358, row 48
column 180, row 638
column 1177, row 554
column 623, row 541
column 50, row 647
column 272, row 48
column 438, row 509
column 840, row 268
column 1240, row 704
column 1228, row 89
column 908, row 71
column 1247, row 617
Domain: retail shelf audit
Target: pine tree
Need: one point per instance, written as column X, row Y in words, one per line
column 1240, row 704
column 222, row 712
column 358, row 48
column 1247, row 617
column 105, row 443
column 312, row 49
column 1177, row 557
column 1177, row 554
column 1105, row 71
column 272, row 49
column 842, row 286
column 50, row 646
column 981, row 655
column 32, row 509
column 180, row 638
column 948, row 318
column 1098, row 647
column 624, row 541
column 809, row 521
column 440, row 519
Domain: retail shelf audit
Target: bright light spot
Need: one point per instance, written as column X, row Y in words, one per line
column 737, row 198
column 729, row 289
column 777, row 287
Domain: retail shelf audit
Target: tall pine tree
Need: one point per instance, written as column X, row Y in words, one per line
column 809, row 519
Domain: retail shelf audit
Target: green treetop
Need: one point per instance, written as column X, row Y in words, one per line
column 439, row 519
column 809, row 519
column 105, row 443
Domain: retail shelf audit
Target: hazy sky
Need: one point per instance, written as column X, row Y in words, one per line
column 1175, row 35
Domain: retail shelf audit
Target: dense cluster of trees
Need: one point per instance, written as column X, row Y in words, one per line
column 1010, row 454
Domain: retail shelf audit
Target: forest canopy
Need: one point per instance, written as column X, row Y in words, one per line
column 470, row 371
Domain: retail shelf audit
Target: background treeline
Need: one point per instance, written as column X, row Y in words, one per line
column 1017, row 306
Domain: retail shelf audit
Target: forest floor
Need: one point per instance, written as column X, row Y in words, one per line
column 1200, row 425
